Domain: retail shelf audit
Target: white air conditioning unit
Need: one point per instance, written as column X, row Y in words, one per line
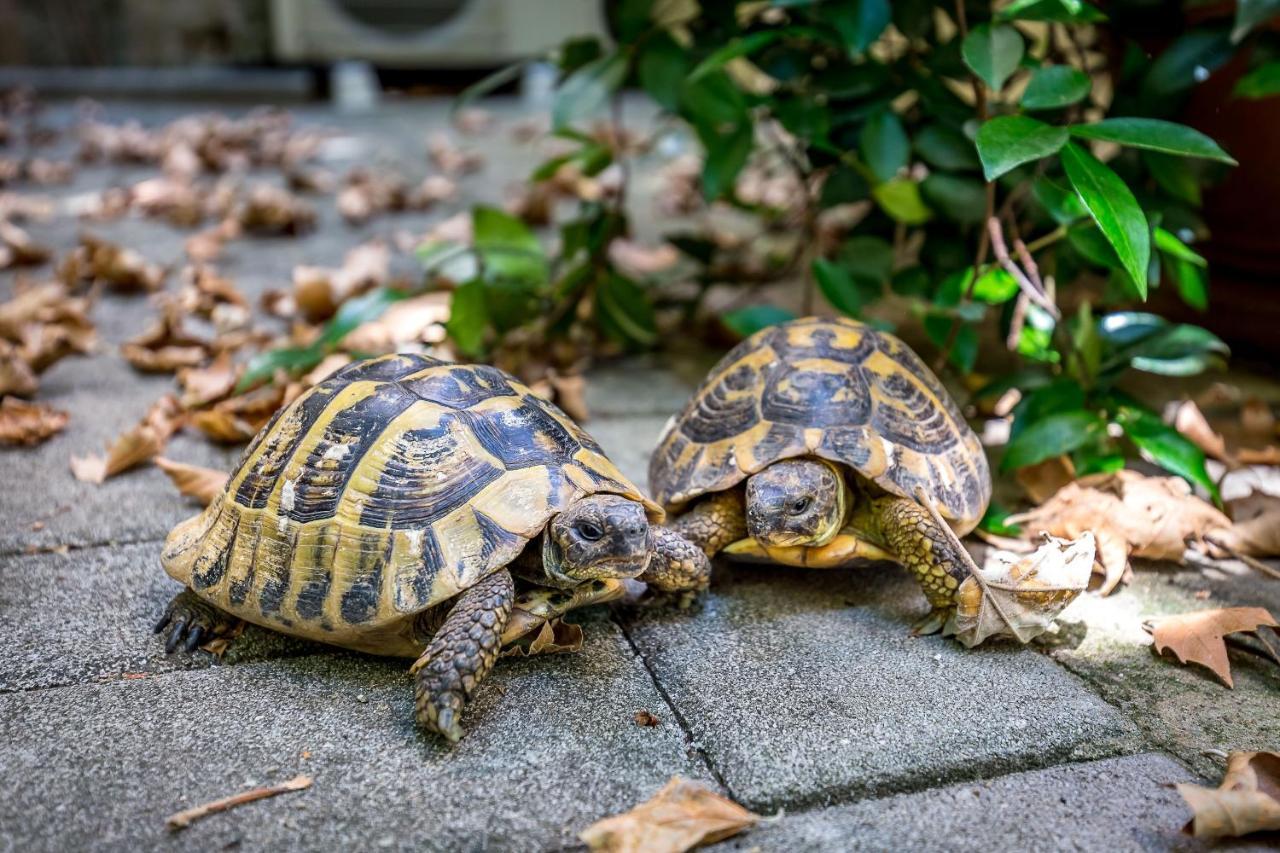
column 428, row 33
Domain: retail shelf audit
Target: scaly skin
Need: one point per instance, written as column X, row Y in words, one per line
column 461, row 653
column 714, row 522
column 193, row 621
column 910, row 533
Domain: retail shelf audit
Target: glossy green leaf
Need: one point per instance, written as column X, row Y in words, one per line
column 946, row 148
column 993, row 53
column 1051, row 436
column 1057, row 11
column 958, row 198
column 586, row 90
column 1175, row 175
column 1059, row 202
column 859, row 22
column 1062, row 394
column 507, row 248
column 1261, row 82
column 1165, row 446
column 1175, row 248
column 1154, row 135
column 357, row 311
column 1187, row 61
column 838, row 286
column 964, row 348
column 995, row 521
column 995, row 286
column 1251, row 13
column 884, row 145
column 1054, row 87
column 292, row 360
column 468, row 319
column 1007, row 142
column 867, row 257
column 725, row 156
column 662, row 68
column 745, row 322
column 1191, row 283
column 900, row 198
column 624, row 312
column 1114, row 209
column 734, row 49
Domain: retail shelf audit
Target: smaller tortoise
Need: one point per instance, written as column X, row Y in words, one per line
column 840, row 433
column 387, row 510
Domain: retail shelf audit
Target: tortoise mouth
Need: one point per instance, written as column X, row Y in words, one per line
column 619, row 567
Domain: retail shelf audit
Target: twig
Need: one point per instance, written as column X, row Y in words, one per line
column 1252, row 562
column 1016, row 322
column 185, row 818
column 1035, row 294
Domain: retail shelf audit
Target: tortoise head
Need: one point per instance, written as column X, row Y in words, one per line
column 600, row 536
column 796, row 502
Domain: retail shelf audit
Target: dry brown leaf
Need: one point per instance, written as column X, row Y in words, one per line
column 1022, row 598
column 167, row 346
column 98, row 261
column 1246, row 801
column 329, row 365
column 1198, row 637
column 641, row 260
column 16, row 376
column 318, row 291
column 178, row 202
column 451, row 159
column 272, row 210
column 193, row 481
column 646, row 719
column 1256, row 418
column 238, row 419
column 1269, row 455
column 223, row 426
column 570, row 394
column 28, row 423
column 1129, row 514
column 683, row 815
column 203, row 385
column 1255, row 527
column 473, row 120
column 417, row 320
column 1043, row 480
column 1191, row 422
column 145, row 441
column 17, row 249
column 553, row 637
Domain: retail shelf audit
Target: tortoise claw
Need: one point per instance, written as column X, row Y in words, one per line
column 176, row 635
column 447, row 725
column 191, row 621
column 932, row 623
column 194, row 637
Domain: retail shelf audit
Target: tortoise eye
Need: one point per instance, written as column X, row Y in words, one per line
column 799, row 505
column 590, row 532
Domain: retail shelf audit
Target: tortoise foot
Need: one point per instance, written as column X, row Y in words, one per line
column 191, row 621
column 932, row 623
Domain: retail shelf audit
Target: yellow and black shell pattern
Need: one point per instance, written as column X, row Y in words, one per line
column 389, row 487
column 836, row 389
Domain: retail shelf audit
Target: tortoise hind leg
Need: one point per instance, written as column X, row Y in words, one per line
column 461, row 653
column 918, row 543
column 192, row 621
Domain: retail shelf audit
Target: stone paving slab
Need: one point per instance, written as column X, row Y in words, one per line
column 86, row 615
column 551, row 747
column 1183, row 709
column 806, row 688
column 1117, row 804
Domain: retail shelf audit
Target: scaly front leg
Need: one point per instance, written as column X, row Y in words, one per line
column 461, row 654
column 916, row 541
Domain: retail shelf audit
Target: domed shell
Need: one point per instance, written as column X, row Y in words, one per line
column 387, row 488
column 836, row 389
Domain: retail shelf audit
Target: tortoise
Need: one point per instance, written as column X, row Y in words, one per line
column 819, row 442
column 406, row 506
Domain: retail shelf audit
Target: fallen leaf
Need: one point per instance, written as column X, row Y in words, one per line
column 28, row 423
column 193, row 481
column 639, row 260
column 646, row 719
column 1255, row 527
column 329, row 365
column 1042, row 480
column 473, row 120
column 318, row 291
column 98, row 261
column 203, row 385
column 1256, row 418
column 1129, row 514
column 17, row 249
column 451, row 159
column 570, row 394
column 417, row 320
column 1021, row 598
column 186, row 817
column 237, row 419
column 1198, row 637
column 270, row 210
column 167, row 346
column 681, row 816
column 219, row 643
column 16, row 376
column 1246, row 801
column 1269, row 455
column 1191, row 422
column 553, row 637
column 145, row 441
column 178, row 202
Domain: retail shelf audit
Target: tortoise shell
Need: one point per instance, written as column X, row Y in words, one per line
column 389, row 487
column 837, row 389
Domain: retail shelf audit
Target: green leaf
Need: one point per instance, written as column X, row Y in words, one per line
column 867, row 258
column 912, row 281
column 735, row 48
column 1191, row 282
column 489, row 84
column 1054, row 87
column 994, row 521
column 1060, row 395
column 726, row 155
column 586, row 90
column 662, row 68
column 1261, row 82
column 964, row 350
column 506, row 246
column 838, row 286
column 1092, row 245
column 292, row 360
column 1007, row 142
column 468, row 319
column 1175, row 176
column 995, row 286
column 1057, row 11
column 745, row 322
column 1114, row 209
column 1052, row 436
column 1175, row 248
column 884, row 144
column 945, row 148
column 900, row 198
column 1187, row 61
column 993, row 53
column 357, row 311
column 859, row 22
column 960, row 199
column 1060, row 202
column 1154, row 135
column 1165, row 446
column 624, row 312
column 1250, row 13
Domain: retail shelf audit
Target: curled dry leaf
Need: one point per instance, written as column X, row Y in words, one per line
column 1246, row 801
column 98, row 261
column 16, row 376
column 451, row 159
column 553, row 637
column 639, row 261
column 28, row 423
column 143, row 442
column 17, row 249
column 203, row 385
column 473, row 120
column 329, row 365
column 318, row 291
column 1021, row 598
column 1129, row 514
column 1191, row 422
column 570, row 394
column 1256, row 423
column 1043, row 480
column 681, row 816
column 271, row 210
column 193, row 481
column 1198, row 637
column 1257, row 419
column 167, row 346
column 178, row 202
column 238, row 419
column 419, row 320
column 1255, row 527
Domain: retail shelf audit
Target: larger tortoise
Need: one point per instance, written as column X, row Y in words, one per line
column 387, row 509
column 816, row 442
